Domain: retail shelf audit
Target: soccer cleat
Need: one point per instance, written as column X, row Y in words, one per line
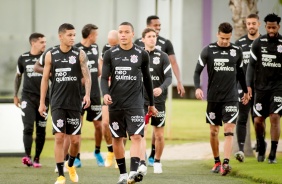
column 134, row 177
column 99, row 159
column 151, row 161
column 109, row 159
column 272, row 161
column 216, row 168
column 142, row 169
column 240, row 156
column 27, row 161
column 122, row 179
column 158, row 168
column 77, row 163
column 61, row 180
column 272, row 158
column 261, row 158
column 225, row 169
column 36, row 165
column 72, row 173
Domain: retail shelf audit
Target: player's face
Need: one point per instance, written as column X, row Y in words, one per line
column 40, row 44
column 68, row 37
column 156, row 25
column 223, row 39
column 252, row 26
column 125, row 34
column 150, row 39
column 93, row 35
column 272, row 28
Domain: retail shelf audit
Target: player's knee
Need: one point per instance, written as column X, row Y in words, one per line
column 28, row 131
column 228, row 134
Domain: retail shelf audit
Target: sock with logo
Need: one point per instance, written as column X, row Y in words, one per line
column 97, row 149
column 121, row 165
column 134, row 163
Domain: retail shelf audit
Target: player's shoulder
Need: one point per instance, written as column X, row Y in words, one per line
column 138, row 48
column 233, row 46
column 242, row 39
column 79, row 45
column 163, row 40
column 94, row 45
column 160, row 53
column 211, row 46
column 26, row 54
column 138, row 40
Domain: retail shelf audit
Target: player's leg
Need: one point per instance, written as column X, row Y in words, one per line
column 275, row 110
column 118, row 130
column 28, row 118
column 213, row 117
column 59, row 128
column 135, row 128
column 73, row 128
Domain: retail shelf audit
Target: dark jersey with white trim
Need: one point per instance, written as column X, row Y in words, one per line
column 92, row 53
column 265, row 67
column 105, row 48
column 162, row 44
column 66, row 84
column 224, row 68
column 32, row 80
column 126, row 69
column 160, row 70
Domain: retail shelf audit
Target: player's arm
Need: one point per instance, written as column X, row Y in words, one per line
column 83, row 59
column 251, row 66
column 17, row 83
column 145, row 67
column 167, row 73
column 44, row 84
column 202, row 60
column 38, row 66
column 175, row 68
column 106, row 73
column 241, row 77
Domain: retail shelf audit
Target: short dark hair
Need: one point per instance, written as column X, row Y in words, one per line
column 225, row 27
column 86, row 30
column 272, row 17
column 253, row 15
column 147, row 30
column 64, row 27
column 34, row 37
column 127, row 24
column 150, row 18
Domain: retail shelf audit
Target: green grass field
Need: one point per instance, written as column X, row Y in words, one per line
column 187, row 125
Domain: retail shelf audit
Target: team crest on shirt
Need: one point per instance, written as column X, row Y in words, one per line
column 23, row 105
column 258, row 106
column 232, row 52
column 156, row 60
column 72, row 60
column 279, row 48
column 115, row 125
column 60, row 123
column 212, row 115
column 94, row 51
column 133, row 58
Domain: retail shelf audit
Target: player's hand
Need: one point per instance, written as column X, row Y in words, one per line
column 250, row 92
column 42, row 110
column 86, row 101
column 245, row 98
column 157, row 92
column 199, row 94
column 152, row 111
column 180, row 89
column 108, row 99
column 17, row 101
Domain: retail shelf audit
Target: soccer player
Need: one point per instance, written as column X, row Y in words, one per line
column 160, row 70
column 245, row 42
column 127, row 64
column 112, row 41
column 166, row 46
column 94, row 111
column 30, row 99
column 264, row 70
column 68, row 65
column 223, row 60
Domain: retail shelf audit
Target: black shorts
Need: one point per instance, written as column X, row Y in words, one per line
column 66, row 121
column 130, row 121
column 30, row 114
column 222, row 111
column 94, row 111
column 159, row 120
column 267, row 102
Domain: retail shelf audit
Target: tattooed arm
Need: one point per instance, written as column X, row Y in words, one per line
column 87, row 78
column 18, row 80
